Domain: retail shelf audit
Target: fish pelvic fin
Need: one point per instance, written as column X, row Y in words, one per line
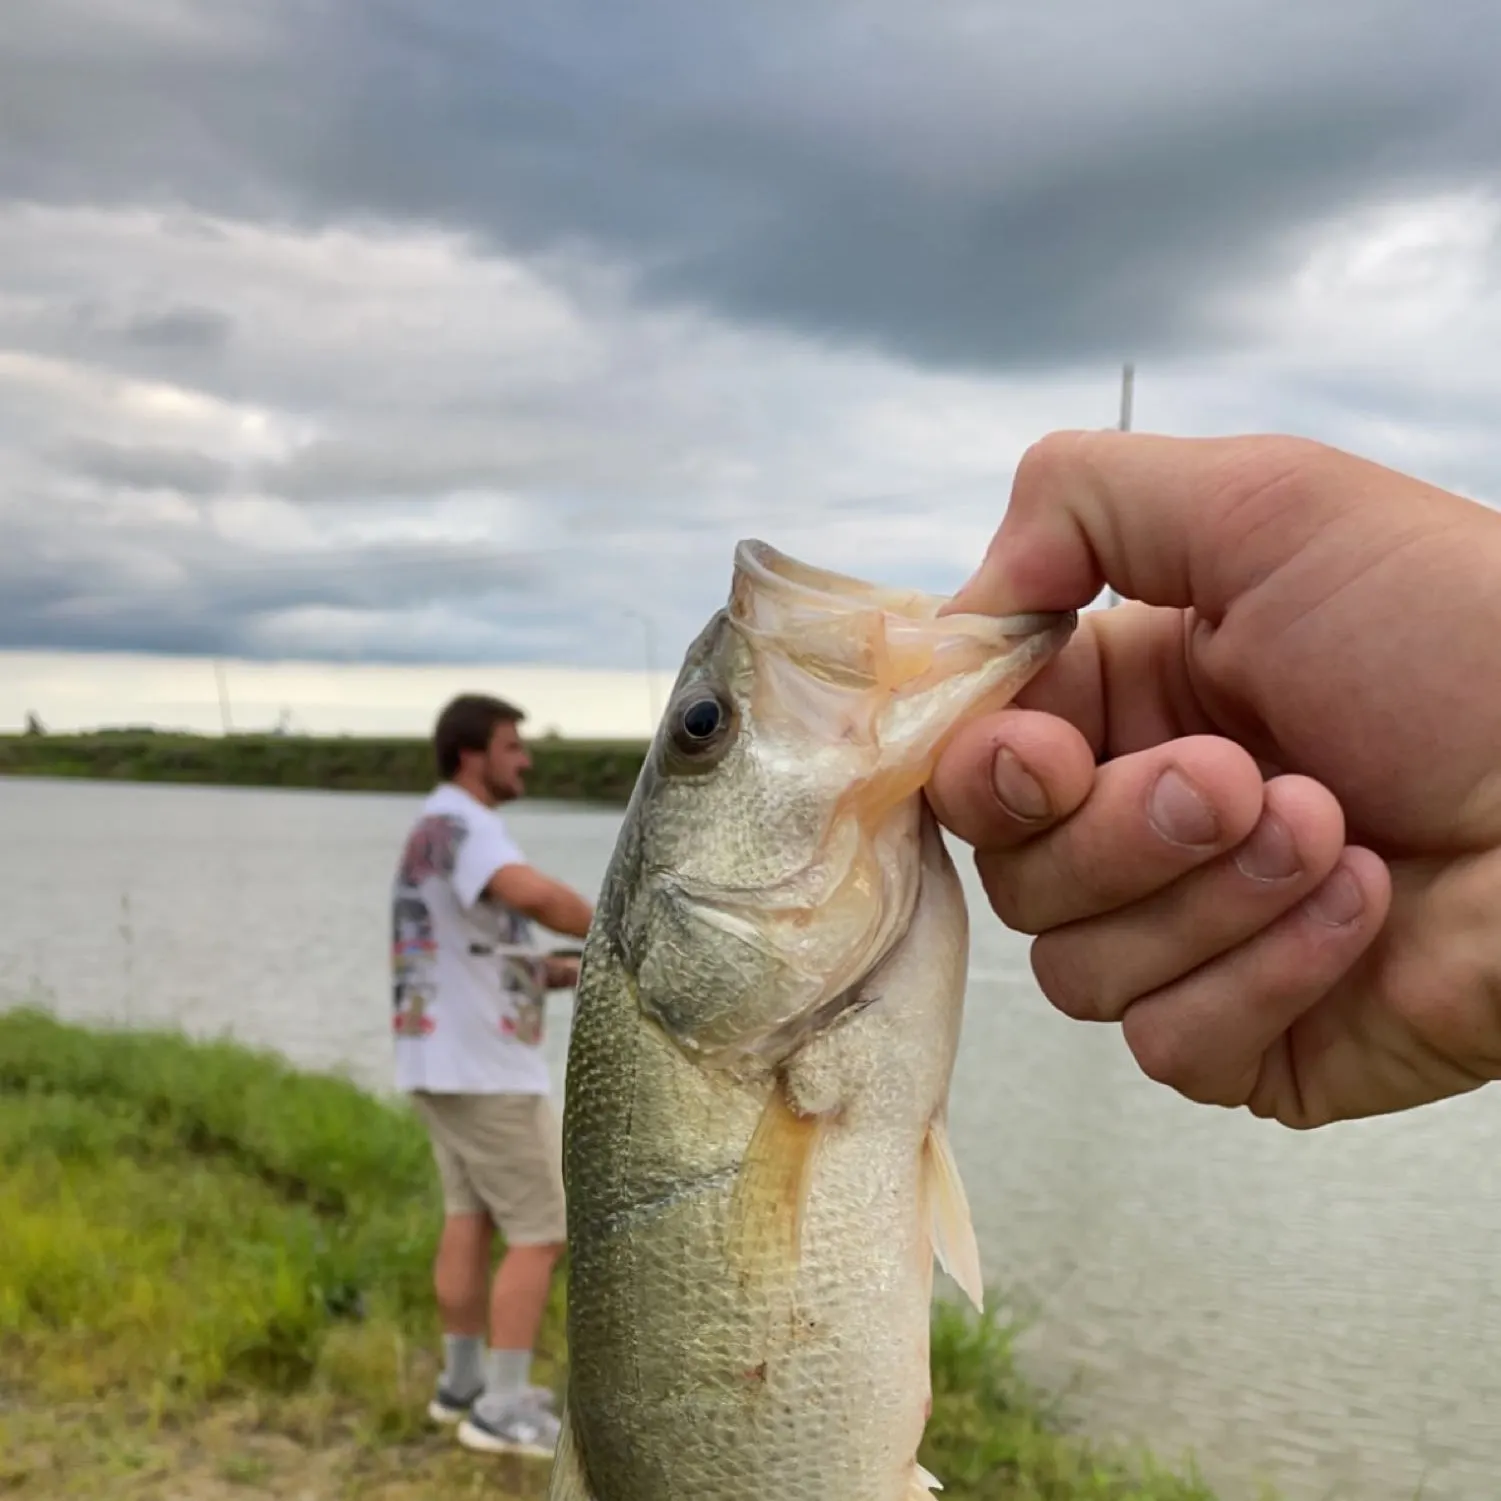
column 923, row 1485
column 952, row 1230
column 770, row 1197
column 568, row 1482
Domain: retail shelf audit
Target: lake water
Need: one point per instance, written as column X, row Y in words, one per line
column 1319, row 1310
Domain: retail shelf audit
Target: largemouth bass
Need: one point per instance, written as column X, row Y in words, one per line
column 755, row 1147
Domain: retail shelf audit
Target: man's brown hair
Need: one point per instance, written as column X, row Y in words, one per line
column 466, row 724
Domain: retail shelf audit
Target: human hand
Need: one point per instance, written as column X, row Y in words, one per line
column 562, row 971
column 1263, row 831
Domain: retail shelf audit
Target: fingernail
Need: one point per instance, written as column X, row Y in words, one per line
column 1269, row 854
column 1180, row 812
column 1338, row 901
column 1020, row 792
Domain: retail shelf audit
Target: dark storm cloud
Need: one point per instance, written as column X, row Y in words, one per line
column 159, row 590
column 144, row 468
column 985, row 186
column 180, row 328
column 383, row 467
column 231, row 435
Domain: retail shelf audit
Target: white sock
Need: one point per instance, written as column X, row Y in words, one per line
column 507, row 1372
column 463, row 1363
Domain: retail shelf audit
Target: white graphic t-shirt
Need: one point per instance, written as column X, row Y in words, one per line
column 467, row 1013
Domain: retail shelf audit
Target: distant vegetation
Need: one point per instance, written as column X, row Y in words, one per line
column 214, row 1281
column 600, row 771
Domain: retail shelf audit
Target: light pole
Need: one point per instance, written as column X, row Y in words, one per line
column 648, row 632
column 223, row 696
column 1128, row 393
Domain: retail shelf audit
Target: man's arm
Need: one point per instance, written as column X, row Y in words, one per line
column 542, row 899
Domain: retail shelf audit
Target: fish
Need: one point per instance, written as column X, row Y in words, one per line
column 757, row 1165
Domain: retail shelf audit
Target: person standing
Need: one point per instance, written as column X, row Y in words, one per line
column 469, row 989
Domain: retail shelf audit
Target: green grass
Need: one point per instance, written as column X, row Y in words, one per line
column 198, row 1221
column 214, row 1266
column 601, row 771
column 994, row 1437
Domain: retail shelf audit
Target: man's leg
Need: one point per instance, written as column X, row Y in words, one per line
column 518, row 1300
column 461, row 1269
column 461, row 1274
column 524, row 1193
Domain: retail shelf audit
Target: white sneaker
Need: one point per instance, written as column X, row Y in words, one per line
column 448, row 1408
column 520, row 1426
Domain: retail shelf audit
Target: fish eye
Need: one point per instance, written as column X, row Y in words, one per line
column 701, row 719
column 699, row 725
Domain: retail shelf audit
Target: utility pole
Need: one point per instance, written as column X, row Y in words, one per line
column 1128, row 392
column 648, row 632
column 223, row 696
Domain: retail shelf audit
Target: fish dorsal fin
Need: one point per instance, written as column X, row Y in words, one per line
column 952, row 1230
column 568, row 1481
column 771, row 1193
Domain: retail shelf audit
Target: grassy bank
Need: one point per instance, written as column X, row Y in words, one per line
column 214, row 1283
column 602, row 771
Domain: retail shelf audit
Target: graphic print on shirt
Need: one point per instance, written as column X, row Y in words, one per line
column 524, row 978
column 431, row 850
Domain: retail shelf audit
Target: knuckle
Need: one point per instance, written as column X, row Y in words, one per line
column 1091, row 884
column 1007, row 891
column 1048, row 882
column 1163, row 1052
column 1269, row 477
column 1171, row 1054
column 1291, row 457
column 1045, row 464
column 1063, row 971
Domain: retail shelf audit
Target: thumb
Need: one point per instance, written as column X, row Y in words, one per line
column 1174, row 521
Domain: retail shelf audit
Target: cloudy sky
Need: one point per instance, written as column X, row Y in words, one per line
column 413, row 332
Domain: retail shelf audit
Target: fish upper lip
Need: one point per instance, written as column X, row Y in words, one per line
column 766, row 564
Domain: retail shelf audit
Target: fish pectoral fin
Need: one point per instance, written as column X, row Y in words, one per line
column 568, row 1481
column 952, row 1230
column 771, row 1192
column 923, row 1485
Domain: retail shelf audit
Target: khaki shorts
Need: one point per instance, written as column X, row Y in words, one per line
column 501, row 1155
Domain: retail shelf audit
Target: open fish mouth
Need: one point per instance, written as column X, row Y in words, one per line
column 888, row 644
column 876, row 664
